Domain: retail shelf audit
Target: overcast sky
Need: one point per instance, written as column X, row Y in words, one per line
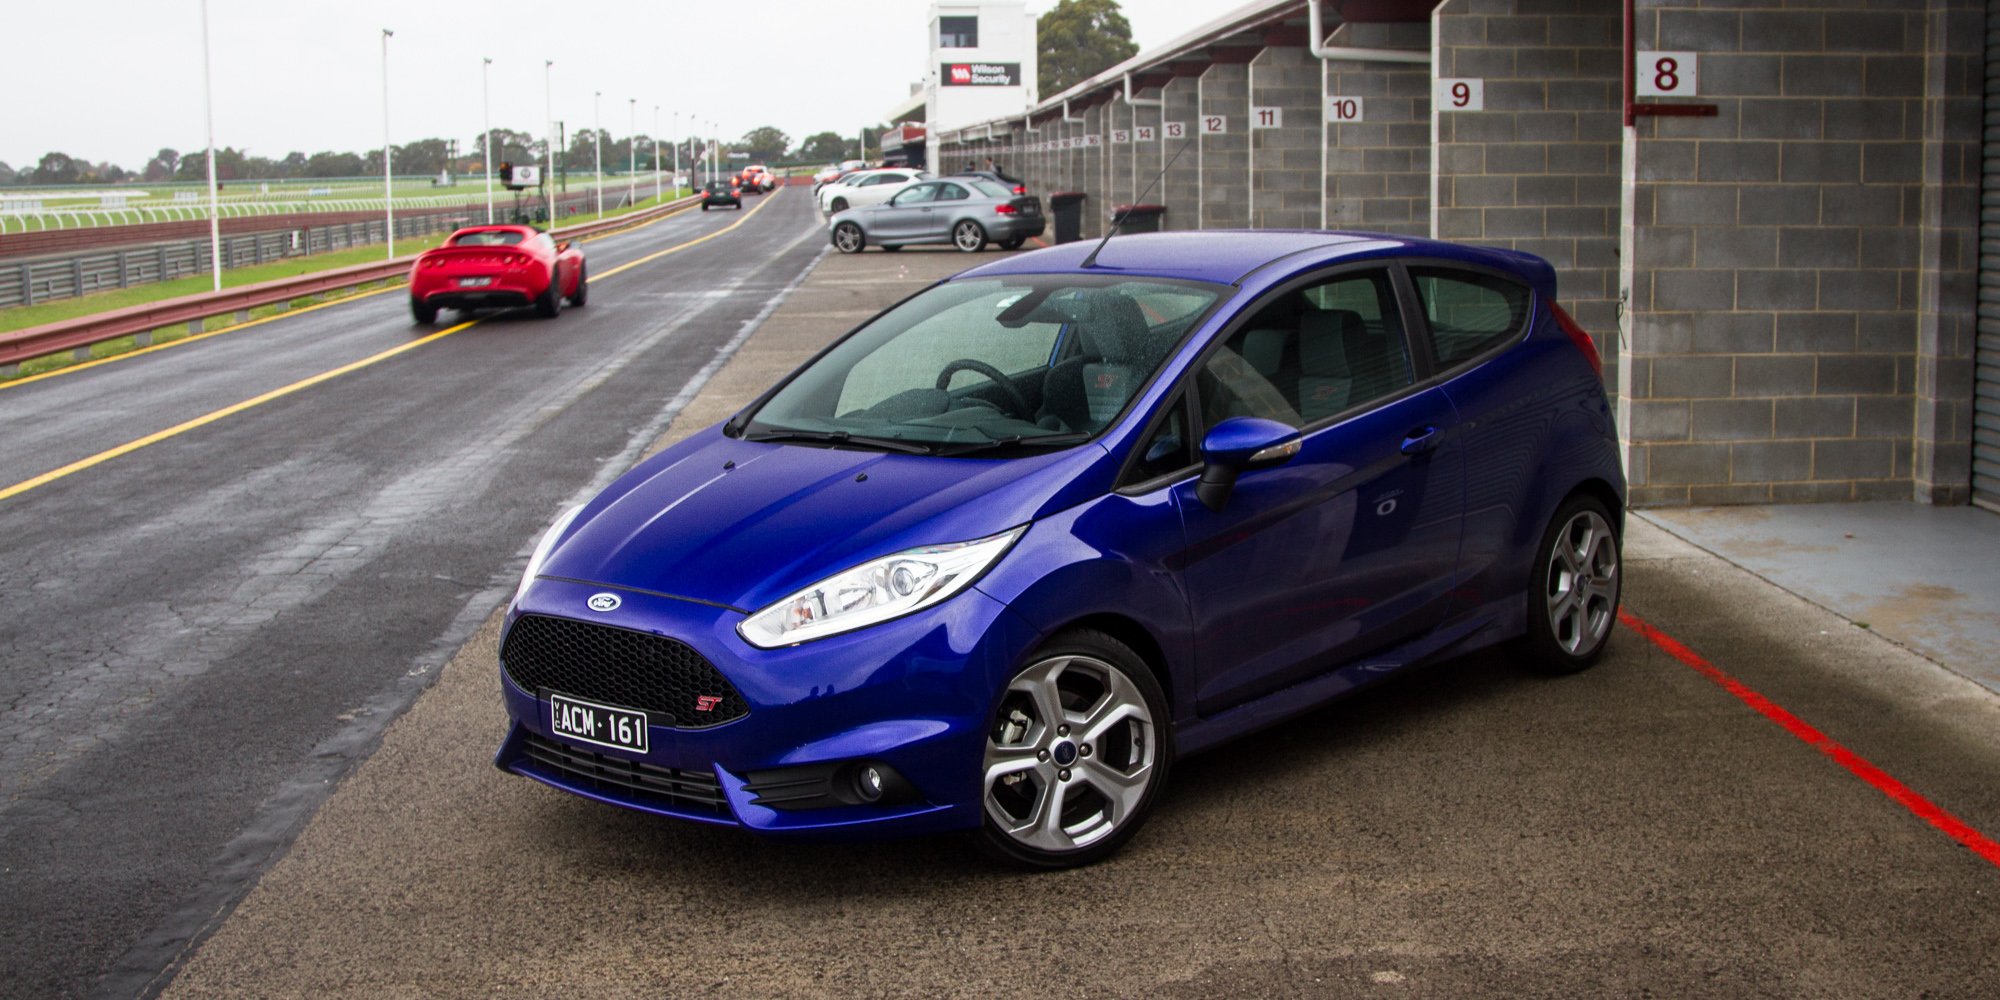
column 118, row 79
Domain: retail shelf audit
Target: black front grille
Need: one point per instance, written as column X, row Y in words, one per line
column 663, row 677
column 667, row 787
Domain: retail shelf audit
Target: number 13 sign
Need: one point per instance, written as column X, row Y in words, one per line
column 1667, row 74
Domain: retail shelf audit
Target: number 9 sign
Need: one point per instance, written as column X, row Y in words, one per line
column 1667, row 74
column 1460, row 94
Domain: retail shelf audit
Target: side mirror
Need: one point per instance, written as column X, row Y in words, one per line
column 1239, row 445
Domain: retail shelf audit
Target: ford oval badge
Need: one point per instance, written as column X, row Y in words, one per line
column 603, row 602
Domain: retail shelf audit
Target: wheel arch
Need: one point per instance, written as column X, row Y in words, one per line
column 1136, row 637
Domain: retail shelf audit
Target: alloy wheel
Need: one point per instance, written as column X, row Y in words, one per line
column 967, row 236
column 1581, row 591
column 1071, row 754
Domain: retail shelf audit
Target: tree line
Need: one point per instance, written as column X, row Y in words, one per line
column 432, row 156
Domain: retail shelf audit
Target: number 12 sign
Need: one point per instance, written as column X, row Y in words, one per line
column 1667, row 74
column 1460, row 94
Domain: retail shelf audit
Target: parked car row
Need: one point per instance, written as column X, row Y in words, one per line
column 895, row 207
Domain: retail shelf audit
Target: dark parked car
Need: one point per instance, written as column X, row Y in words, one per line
column 966, row 212
column 998, row 558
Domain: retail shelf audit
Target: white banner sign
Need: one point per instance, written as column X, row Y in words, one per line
column 1667, row 74
column 1174, row 130
column 1460, row 94
column 1267, row 118
column 1143, row 133
column 1345, row 109
column 1214, row 124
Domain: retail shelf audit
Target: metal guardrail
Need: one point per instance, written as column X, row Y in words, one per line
column 140, row 321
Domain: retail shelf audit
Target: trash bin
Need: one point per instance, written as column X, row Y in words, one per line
column 1067, row 207
column 1138, row 218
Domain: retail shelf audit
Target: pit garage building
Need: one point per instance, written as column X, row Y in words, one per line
column 1767, row 212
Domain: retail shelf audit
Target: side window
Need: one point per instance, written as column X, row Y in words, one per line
column 915, row 195
column 1169, row 449
column 950, row 192
column 1311, row 353
column 1468, row 313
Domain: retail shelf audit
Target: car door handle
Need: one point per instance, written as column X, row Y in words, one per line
column 1420, row 440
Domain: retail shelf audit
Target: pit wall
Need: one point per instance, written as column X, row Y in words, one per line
column 1784, row 292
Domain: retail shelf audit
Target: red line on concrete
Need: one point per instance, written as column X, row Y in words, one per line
column 1855, row 764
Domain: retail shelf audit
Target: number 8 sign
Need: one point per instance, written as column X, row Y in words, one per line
column 1667, row 74
column 1460, row 94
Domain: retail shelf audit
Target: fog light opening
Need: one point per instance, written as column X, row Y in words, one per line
column 869, row 782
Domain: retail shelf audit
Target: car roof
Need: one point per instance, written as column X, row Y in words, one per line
column 1230, row 256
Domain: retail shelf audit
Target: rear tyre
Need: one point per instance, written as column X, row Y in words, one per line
column 847, row 238
column 892, row 247
column 549, row 304
column 1013, row 244
column 968, row 236
column 423, row 314
column 704, row 206
column 1076, row 751
column 582, row 286
column 1573, row 592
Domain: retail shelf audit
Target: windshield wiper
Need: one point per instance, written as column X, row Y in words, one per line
column 1033, row 440
column 840, row 437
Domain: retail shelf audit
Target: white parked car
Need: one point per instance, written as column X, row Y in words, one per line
column 869, row 188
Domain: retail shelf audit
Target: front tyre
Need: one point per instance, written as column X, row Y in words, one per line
column 1013, row 244
column 839, row 205
column 847, row 238
column 1573, row 593
column 1076, row 751
column 968, row 236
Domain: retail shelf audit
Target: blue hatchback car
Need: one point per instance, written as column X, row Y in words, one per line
column 997, row 558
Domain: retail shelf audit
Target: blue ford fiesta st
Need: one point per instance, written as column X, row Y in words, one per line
column 995, row 559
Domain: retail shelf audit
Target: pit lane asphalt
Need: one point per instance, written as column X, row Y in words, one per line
column 201, row 636
column 1465, row 831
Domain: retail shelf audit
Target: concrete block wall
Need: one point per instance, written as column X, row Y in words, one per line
column 1181, row 189
column 1285, row 168
column 1224, row 200
column 1537, row 169
column 1147, row 157
column 1118, row 158
column 1780, row 252
column 1378, row 170
column 1091, row 179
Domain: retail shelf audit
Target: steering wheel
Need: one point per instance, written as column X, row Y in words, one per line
column 1021, row 407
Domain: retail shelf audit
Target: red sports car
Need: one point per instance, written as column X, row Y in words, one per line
column 483, row 267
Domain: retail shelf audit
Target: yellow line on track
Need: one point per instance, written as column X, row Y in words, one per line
column 306, row 383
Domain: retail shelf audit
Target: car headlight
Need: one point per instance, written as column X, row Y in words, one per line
column 876, row 591
column 543, row 548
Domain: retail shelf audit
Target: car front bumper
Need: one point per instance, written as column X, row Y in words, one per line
column 914, row 694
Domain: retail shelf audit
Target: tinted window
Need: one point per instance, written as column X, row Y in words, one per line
column 1468, row 312
column 1311, row 353
column 915, row 195
column 487, row 239
column 958, row 32
column 951, row 192
column 992, row 190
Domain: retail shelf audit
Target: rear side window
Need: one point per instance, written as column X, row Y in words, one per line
column 1468, row 313
column 992, row 190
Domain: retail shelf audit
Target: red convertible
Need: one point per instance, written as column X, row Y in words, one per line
column 483, row 267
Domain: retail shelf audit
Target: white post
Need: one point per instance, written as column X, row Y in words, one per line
column 214, row 206
column 631, row 151
column 549, row 112
column 656, row 152
column 486, row 120
column 388, row 188
column 677, row 154
column 597, row 147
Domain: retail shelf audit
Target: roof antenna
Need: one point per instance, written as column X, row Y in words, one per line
column 1091, row 260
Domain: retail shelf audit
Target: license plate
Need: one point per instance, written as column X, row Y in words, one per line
column 604, row 725
column 1030, row 210
column 474, row 282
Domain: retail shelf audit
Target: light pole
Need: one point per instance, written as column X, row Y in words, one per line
column 388, row 189
column 656, row 152
column 214, row 208
column 549, row 112
column 486, row 121
column 631, row 151
column 597, row 148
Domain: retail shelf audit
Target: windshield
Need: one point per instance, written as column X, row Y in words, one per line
column 1040, row 360
column 489, row 238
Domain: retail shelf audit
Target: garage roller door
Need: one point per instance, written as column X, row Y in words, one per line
column 1986, row 360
